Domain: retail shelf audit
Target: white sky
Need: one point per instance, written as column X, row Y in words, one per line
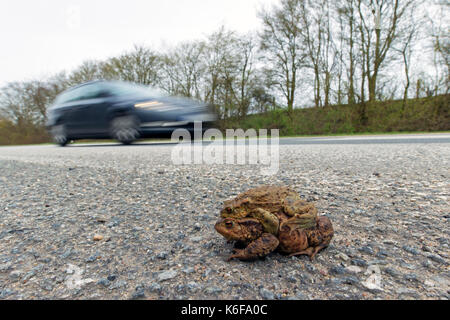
column 39, row 38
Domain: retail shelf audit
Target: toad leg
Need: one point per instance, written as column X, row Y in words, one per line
column 258, row 248
column 269, row 221
column 294, row 205
column 311, row 251
column 318, row 238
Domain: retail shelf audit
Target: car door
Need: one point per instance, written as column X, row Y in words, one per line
column 89, row 114
column 67, row 109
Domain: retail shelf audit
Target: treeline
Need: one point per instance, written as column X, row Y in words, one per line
column 414, row 115
column 306, row 54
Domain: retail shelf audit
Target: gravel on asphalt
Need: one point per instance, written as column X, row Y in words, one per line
column 123, row 222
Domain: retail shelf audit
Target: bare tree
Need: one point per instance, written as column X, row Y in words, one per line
column 89, row 70
column 228, row 77
column 346, row 14
column 218, row 60
column 405, row 50
column 246, row 78
column 281, row 41
column 141, row 65
column 379, row 27
column 439, row 32
column 182, row 69
column 320, row 48
column 16, row 104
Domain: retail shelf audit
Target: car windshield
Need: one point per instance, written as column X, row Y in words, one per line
column 129, row 89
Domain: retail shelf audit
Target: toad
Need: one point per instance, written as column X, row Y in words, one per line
column 273, row 218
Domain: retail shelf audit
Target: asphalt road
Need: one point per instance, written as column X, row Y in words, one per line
column 362, row 139
column 105, row 221
column 371, row 139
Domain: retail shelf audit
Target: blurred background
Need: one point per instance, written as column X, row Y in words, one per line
column 305, row 67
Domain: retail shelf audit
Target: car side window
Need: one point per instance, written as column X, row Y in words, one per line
column 69, row 96
column 84, row 93
column 92, row 92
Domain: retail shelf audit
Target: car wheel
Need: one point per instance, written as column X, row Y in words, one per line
column 59, row 134
column 125, row 129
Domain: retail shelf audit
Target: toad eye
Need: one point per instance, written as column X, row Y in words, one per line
column 229, row 224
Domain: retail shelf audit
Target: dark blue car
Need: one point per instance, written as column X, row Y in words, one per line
column 122, row 111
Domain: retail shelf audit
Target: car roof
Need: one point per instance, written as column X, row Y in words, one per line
column 84, row 84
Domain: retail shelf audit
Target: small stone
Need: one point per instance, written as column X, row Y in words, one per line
column 113, row 223
column 442, row 281
column 207, row 272
column 377, row 262
column 213, row 290
column 196, row 239
column 427, row 264
column 350, row 280
column 382, row 254
column 266, row 294
column 167, row 275
column 406, row 291
column 301, row 296
column 354, row 269
column 337, row 270
column 392, row 272
column 93, row 257
column 138, row 294
column 411, row 250
column 323, row 272
column 436, row 258
column 373, row 283
column 429, row 283
column 15, row 275
column 359, row 262
column 366, row 249
column 5, row 267
column 47, row 285
column 111, row 277
column 342, row 256
column 118, row 284
column 311, row 268
column 5, row 292
column 103, row 282
column 188, row 270
column 411, row 277
column 66, row 254
column 28, row 276
column 98, row 237
column 373, row 269
column 162, row 255
column 192, row 286
column 154, row 287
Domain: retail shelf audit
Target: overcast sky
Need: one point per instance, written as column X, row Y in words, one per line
column 43, row 37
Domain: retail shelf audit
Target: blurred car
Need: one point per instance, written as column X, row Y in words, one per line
column 122, row 111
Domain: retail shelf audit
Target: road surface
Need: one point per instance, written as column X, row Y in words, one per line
column 387, row 196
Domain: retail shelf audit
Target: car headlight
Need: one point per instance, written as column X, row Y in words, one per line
column 148, row 105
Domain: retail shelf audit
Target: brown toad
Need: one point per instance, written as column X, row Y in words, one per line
column 270, row 217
